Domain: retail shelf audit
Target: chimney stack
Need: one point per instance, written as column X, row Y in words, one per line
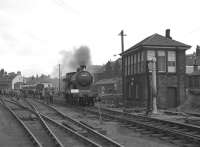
column 167, row 34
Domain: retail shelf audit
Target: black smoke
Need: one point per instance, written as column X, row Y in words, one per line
column 71, row 60
column 81, row 56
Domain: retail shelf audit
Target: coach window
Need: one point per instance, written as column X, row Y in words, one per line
column 171, row 61
column 161, row 61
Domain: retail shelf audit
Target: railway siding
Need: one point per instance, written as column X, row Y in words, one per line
column 92, row 134
column 177, row 131
column 33, row 124
column 115, row 130
column 14, row 131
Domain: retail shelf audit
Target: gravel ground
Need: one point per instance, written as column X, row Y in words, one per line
column 161, row 115
column 116, row 131
column 11, row 133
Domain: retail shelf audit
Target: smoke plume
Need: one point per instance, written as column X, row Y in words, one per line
column 71, row 60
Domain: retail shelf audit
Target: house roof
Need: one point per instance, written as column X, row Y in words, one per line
column 7, row 78
column 158, row 40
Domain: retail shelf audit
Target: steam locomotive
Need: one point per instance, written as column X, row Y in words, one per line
column 77, row 87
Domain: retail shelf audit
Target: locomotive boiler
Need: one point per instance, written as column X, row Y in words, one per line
column 78, row 87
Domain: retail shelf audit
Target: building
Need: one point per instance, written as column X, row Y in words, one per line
column 192, row 59
column 170, row 64
column 193, row 77
column 109, row 70
column 112, row 85
column 11, row 81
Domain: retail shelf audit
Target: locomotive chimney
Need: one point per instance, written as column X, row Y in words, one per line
column 167, row 34
column 82, row 67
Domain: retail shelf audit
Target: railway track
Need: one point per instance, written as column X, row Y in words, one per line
column 49, row 112
column 37, row 130
column 18, row 134
column 174, row 132
column 67, row 136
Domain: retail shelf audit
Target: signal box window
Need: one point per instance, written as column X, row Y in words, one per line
column 150, row 55
column 171, row 61
column 138, row 59
column 142, row 62
column 161, row 61
column 135, row 61
column 125, row 65
column 131, row 64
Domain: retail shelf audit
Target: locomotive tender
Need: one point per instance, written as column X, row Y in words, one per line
column 78, row 87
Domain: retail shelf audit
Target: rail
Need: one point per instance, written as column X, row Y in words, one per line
column 90, row 130
column 152, row 123
column 53, row 136
column 30, row 134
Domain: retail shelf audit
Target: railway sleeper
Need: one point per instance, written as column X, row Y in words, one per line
column 94, row 128
column 67, row 125
column 160, row 121
column 163, row 131
column 145, row 132
column 27, row 118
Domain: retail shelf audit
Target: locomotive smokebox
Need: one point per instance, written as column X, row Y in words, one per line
column 84, row 78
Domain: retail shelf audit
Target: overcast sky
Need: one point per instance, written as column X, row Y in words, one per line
column 34, row 32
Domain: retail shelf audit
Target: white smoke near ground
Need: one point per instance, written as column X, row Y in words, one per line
column 71, row 60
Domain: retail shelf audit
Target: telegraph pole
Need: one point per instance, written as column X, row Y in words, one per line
column 59, row 79
column 122, row 39
column 122, row 46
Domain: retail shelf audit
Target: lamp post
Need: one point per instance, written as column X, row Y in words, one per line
column 154, row 86
column 59, row 78
column 151, row 102
column 148, row 89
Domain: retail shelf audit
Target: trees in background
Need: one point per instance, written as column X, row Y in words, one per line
column 112, row 69
column 117, row 68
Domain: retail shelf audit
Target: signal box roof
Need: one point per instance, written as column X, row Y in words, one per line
column 159, row 41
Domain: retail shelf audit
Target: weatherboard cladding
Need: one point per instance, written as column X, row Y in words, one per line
column 158, row 40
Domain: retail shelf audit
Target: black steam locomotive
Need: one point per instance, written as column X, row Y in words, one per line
column 78, row 87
